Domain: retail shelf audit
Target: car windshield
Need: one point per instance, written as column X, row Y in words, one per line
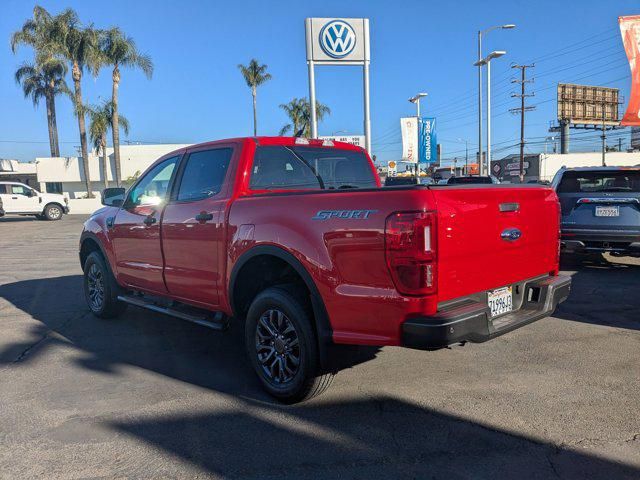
column 298, row 168
column 603, row 181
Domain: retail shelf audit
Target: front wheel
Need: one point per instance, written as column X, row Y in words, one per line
column 52, row 212
column 100, row 288
column 282, row 346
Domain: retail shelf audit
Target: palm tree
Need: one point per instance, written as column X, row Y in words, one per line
column 100, row 121
column 45, row 80
column 299, row 112
column 255, row 75
column 45, row 77
column 120, row 51
column 79, row 45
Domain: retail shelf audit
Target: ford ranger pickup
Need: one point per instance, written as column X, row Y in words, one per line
column 297, row 240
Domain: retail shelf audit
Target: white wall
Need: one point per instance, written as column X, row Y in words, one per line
column 551, row 163
column 133, row 158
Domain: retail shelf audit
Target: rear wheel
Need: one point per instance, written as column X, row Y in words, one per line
column 52, row 212
column 100, row 288
column 282, row 346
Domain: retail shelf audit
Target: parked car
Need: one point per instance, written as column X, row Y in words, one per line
column 472, row 179
column 296, row 239
column 20, row 199
column 400, row 181
column 600, row 209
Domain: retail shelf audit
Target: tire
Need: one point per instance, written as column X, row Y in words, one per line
column 281, row 309
column 100, row 288
column 52, row 211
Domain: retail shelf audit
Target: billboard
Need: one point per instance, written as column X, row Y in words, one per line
column 587, row 105
column 635, row 138
column 409, row 131
column 427, row 143
column 630, row 31
column 333, row 41
column 357, row 140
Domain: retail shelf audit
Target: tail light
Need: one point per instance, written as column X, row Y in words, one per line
column 410, row 248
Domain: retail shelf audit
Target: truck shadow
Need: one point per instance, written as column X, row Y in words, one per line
column 603, row 292
column 162, row 344
column 380, row 437
column 377, row 437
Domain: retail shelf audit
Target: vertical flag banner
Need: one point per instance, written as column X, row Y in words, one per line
column 409, row 130
column 427, row 143
column 630, row 31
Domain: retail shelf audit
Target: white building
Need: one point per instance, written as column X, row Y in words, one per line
column 551, row 163
column 66, row 175
column 15, row 171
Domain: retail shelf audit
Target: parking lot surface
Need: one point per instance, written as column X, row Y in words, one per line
column 147, row 396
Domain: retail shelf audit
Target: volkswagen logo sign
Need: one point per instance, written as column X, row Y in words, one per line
column 337, row 39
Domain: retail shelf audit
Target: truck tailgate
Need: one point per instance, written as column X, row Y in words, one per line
column 489, row 237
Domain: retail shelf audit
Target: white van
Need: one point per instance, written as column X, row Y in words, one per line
column 20, row 199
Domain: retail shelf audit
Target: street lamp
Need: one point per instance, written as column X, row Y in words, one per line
column 416, row 100
column 466, row 154
column 507, row 26
column 487, row 61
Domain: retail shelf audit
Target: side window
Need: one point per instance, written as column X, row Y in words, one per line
column 18, row 190
column 3, row 188
column 204, row 174
column 280, row 168
column 152, row 188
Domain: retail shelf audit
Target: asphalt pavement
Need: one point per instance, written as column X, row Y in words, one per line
column 147, row 396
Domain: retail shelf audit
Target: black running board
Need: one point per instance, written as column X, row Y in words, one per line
column 216, row 322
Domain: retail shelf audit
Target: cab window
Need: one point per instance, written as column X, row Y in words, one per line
column 19, row 190
column 204, row 174
column 152, row 188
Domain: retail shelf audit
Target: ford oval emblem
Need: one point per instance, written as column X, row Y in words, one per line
column 511, row 234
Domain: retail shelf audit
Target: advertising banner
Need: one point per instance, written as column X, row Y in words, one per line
column 409, row 130
column 427, row 142
column 630, row 31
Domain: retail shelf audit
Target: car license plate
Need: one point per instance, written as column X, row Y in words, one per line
column 608, row 211
column 500, row 301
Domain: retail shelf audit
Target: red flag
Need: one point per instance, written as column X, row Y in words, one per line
column 630, row 30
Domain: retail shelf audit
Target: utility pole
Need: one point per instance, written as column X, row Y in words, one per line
column 522, row 95
column 604, row 137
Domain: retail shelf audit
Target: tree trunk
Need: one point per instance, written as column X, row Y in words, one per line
column 115, row 130
column 55, row 126
column 105, row 160
column 52, row 141
column 77, row 76
column 255, row 112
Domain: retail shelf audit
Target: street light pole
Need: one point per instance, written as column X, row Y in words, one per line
column 507, row 26
column 416, row 99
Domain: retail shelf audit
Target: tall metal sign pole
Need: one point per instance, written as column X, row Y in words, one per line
column 338, row 41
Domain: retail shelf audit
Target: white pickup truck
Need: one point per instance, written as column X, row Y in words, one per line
column 20, row 199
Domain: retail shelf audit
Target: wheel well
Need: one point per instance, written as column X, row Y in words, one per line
column 52, row 203
column 88, row 246
column 259, row 273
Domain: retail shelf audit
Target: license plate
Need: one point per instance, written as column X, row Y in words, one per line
column 607, row 211
column 500, row 301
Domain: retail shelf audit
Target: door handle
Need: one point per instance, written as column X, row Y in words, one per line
column 14, row 198
column 149, row 220
column 204, row 216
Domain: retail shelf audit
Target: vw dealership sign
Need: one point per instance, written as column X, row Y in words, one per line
column 338, row 41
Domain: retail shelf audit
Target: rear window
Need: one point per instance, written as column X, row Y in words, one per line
column 605, row 181
column 299, row 168
column 396, row 181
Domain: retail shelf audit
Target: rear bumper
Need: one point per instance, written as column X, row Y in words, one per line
column 592, row 240
column 470, row 321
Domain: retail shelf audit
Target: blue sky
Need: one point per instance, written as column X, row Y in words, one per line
column 198, row 94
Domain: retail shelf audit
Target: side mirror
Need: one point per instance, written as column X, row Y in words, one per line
column 113, row 197
column 30, row 193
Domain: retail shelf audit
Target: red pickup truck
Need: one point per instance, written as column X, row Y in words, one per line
column 297, row 239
